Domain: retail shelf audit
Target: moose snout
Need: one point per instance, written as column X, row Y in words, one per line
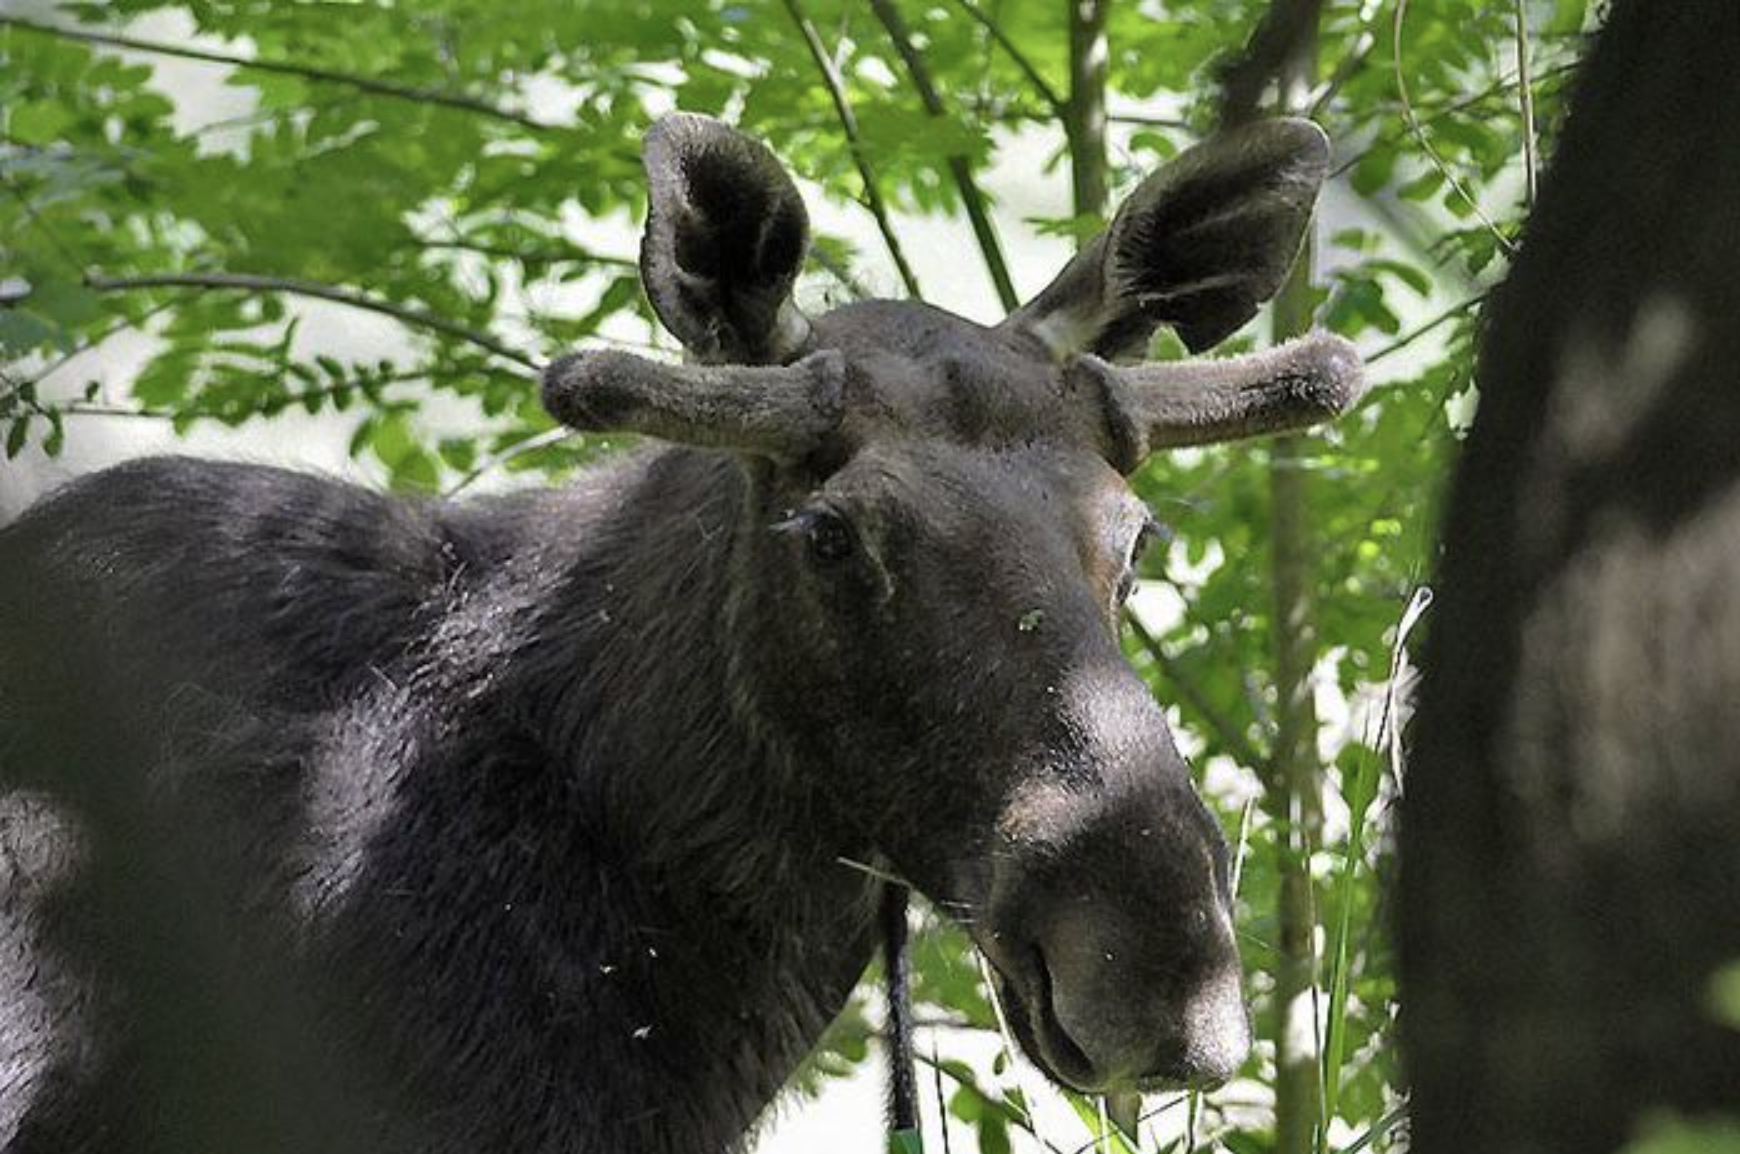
column 1137, row 1005
column 1112, row 932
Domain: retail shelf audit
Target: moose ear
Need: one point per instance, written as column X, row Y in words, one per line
column 1198, row 246
column 725, row 237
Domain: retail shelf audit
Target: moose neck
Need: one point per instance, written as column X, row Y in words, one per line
column 668, row 735
column 727, row 925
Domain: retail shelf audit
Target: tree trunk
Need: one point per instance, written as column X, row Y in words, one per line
column 1571, row 834
column 1085, row 112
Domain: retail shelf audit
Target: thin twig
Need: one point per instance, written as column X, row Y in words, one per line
column 89, row 345
column 1461, row 104
column 563, row 254
column 1021, row 1119
column 1147, row 1115
column 248, row 282
column 936, row 1081
column 1527, row 101
column 1441, row 319
column 1170, row 122
column 1040, row 85
column 1419, row 133
column 531, row 444
column 836, row 85
column 869, row 870
column 369, row 84
column 842, row 273
column 972, row 197
column 1235, row 742
column 1345, row 71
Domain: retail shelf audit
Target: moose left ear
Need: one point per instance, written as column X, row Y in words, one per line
column 725, row 237
column 1199, row 246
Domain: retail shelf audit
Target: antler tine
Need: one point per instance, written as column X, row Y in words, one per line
column 1176, row 404
column 778, row 411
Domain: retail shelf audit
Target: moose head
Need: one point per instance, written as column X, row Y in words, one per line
column 938, row 540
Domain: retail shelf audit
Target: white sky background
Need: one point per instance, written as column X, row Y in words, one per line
column 847, row 1119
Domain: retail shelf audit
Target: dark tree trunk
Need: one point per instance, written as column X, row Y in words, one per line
column 1571, row 840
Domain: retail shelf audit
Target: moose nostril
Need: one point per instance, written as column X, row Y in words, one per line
column 1061, row 1050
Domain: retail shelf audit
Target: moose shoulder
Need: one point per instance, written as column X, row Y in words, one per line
column 519, row 824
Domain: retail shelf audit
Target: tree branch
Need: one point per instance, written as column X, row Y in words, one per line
column 978, row 213
column 1496, row 88
column 251, row 283
column 1221, row 726
column 1441, row 319
column 1344, row 72
column 1419, row 133
column 367, row 84
column 1273, row 46
column 494, row 461
column 555, row 254
column 836, row 85
column 1040, row 85
column 1171, row 122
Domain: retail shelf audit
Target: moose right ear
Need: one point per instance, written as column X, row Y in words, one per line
column 1199, row 246
column 725, row 237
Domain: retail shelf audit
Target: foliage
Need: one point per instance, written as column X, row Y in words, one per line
column 455, row 167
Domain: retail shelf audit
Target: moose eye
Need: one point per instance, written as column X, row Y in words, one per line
column 826, row 533
column 830, row 539
column 1150, row 532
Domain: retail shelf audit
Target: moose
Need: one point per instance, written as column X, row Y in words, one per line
column 538, row 822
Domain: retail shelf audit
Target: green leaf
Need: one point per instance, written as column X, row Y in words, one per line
column 1568, row 17
column 38, row 122
column 1725, row 995
column 16, row 436
column 56, row 439
column 1107, row 1136
column 21, row 331
column 1667, row 1134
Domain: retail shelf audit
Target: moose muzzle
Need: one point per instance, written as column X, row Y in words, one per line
column 1110, row 916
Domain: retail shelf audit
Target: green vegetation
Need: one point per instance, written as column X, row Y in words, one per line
column 445, row 165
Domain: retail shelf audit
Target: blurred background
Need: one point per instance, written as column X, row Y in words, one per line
column 343, row 236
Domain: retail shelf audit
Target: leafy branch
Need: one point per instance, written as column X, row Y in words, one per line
column 836, row 86
column 249, row 282
column 555, row 254
column 369, row 84
column 1019, row 58
column 972, row 198
column 1431, row 154
column 1222, row 726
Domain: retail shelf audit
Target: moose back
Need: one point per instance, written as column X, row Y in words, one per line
column 343, row 821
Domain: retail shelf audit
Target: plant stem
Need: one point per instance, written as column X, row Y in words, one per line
column 1527, row 96
column 1040, row 85
column 836, row 86
column 1425, row 143
column 1084, row 121
column 554, row 254
column 972, row 198
column 1229, row 734
column 1294, row 797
